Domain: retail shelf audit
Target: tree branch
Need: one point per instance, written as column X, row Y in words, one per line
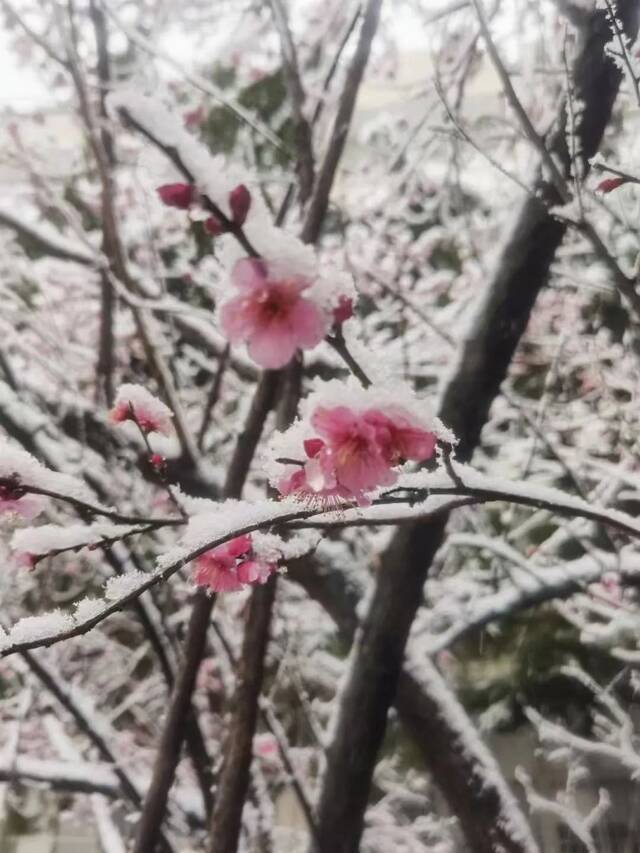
column 320, row 199
column 500, row 320
column 173, row 732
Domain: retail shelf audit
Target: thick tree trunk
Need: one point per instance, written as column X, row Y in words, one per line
column 460, row 765
column 485, row 358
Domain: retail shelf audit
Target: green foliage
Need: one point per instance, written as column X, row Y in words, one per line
column 265, row 98
column 521, row 663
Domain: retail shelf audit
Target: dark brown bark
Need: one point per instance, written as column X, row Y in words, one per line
column 169, row 748
column 234, row 777
column 326, row 175
column 458, row 765
column 484, row 361
column 234, row 783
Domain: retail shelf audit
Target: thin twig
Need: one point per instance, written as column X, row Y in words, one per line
column 171, row 739
column 320, row 199
column 304, row 140
column 612, row 14
column 510, row 93
column 213, row 396
column 485, row 491
column 339, row 344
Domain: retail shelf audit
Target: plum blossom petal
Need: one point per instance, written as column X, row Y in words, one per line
column 217, row 571
column 239, row 202
column 237, row 547
column 399, row 438
column 272, row 347
column 249, row 273
column 355, row 452
column 231, row 566
column 255, row 571
column 307, row 320
column 27, row 507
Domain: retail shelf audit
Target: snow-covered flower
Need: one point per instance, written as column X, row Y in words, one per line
column 271, row 314
column 134, row 402
column 231, row 566
column 352, row 454
column 353, row 450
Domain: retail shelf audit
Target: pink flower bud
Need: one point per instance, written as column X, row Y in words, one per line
column 157, row 461
column 176, row 195
column 343, row 310
column 239, row 202
column 610, row 184
column 313, row 446
column 213, row 226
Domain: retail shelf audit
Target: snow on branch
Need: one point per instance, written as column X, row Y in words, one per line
column 231, row 519
column 31, row 476
column 529, row 585
column 48, row 241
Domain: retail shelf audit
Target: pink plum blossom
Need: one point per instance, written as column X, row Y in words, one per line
column 353, row 450
column 610, row 184
column 134, row 402
column 217, row 571
column 356, row 452
column 271, row 314
column 265, row 746
column 231, row 566
column 213, row 226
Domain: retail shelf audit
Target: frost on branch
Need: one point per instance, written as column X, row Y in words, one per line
column 53, row 538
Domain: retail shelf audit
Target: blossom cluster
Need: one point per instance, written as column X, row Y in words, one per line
column 350, row 450
column 231, row 566
column 277, row 311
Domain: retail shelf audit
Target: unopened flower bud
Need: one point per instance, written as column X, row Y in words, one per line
column 239, row 202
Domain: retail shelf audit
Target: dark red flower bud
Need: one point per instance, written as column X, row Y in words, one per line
column 213, row 226
column 239, row 202
column 157, row 461
column 313, row 446
column 610, row 184
column 343, row 310
column 177, row 195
